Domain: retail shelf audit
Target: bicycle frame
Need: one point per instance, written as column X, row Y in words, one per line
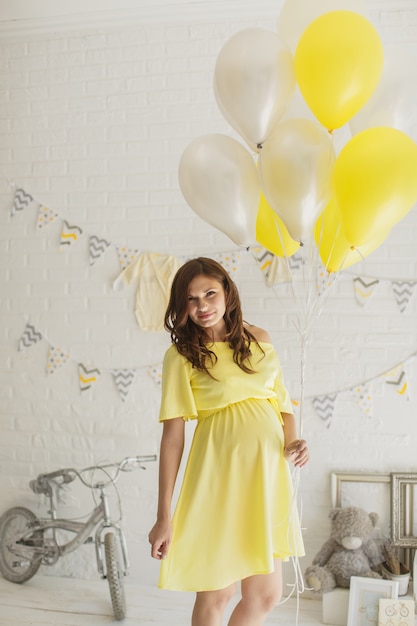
column 99, row 519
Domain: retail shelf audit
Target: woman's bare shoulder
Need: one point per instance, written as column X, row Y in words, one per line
column 259, row 333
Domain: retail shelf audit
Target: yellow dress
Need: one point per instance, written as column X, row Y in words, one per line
column 236, row 511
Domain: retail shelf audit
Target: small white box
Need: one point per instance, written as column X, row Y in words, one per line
column 335, row 605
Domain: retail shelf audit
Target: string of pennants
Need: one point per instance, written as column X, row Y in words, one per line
column 88, row 375
column 396, row 379
column 274, row 269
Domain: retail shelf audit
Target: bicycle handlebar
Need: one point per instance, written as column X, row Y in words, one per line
column 41, row 483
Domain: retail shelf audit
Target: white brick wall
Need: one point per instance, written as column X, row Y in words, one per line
column 92, row 123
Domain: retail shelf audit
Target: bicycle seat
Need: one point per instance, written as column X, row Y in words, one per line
column 41, row 484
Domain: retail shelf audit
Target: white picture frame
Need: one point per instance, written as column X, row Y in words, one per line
column 364, row 597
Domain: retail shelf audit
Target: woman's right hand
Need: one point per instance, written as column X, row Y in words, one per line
column 160, row 538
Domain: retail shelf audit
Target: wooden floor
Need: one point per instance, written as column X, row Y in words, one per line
column 52, row 601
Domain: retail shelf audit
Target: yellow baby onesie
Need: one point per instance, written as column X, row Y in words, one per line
column 154, row 274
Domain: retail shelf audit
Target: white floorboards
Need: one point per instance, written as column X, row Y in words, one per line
column 52, row 601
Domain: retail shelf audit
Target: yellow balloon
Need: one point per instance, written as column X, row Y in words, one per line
column 375, row 182
column 271, row 232
column 338, row 63
column 336, row 253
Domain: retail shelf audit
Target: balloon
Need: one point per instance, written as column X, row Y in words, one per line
column 271, row 232
column 296, row 15
column 253, row 82
column 335, row 251
column 220, row 182
column 296, row 165
column 375, row 182
column 394, row 100
column 338, row 63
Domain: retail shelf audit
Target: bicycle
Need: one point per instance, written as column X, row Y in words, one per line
column 28, row 541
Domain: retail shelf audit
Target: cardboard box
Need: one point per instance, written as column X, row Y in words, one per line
column 335, row 605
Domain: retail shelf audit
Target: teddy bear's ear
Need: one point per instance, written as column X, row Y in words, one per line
column 374, row 517
column 334, row 513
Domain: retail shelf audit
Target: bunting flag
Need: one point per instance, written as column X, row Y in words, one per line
column 87, row 377
column 364, row 289
column 29, row 337
column 126, row 256
column 155, row 372
column 69, row 234
column 56, row 359
column 296, row 261
column 362, row 395
column 325, row 279
column 403, row 290
column 45, row 217
column 123, row 379
column 398, row 380
column 97, row 247
column 324, row 406
column 230, row 261
column 21, row 200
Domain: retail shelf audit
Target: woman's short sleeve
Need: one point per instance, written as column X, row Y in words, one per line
column 177, row 396
column 283, row 396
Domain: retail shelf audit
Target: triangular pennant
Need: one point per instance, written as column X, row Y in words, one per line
column 362, row 395
column 230, row 261
column 403, row 290
column 397, row 378
column 56, row 359
column 29, row 337
column 324, row 406
column 364, row 289
column 264, row 258
column 296, row 261
column 155, row 372
column 97, row 247
column 21, row 200
column 87, row 377
column 69, row 234
column 325, row 279
column 126, row 256
column 123, row 379
column 45, row 217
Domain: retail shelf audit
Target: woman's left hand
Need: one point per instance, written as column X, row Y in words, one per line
column 297, row 452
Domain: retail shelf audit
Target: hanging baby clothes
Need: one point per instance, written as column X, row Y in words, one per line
column 154, row 274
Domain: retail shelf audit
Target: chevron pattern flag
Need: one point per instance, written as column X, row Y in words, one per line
column 155, row 372
column 126, row 256
column 364, row 289
column 230, row 261
column 296, row 261
column 403, row 291
column 397, row 378
column 87, row 377
column 123, row 379
column 324, row 406
column 56, row 359
column 69, row 234
column 362, row 395
column 45, row 217
column 21, row 200
column 97, row 247
column 29, row 337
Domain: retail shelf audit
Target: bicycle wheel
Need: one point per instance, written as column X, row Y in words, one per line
column 114, row 576
column 18, row 559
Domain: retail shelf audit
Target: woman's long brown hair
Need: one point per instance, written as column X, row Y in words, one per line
column 191, row 340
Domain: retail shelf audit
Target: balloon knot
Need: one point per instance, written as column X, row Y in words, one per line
column 330, row 131
column 259, row 146
column 301, row 244
column 352, row 247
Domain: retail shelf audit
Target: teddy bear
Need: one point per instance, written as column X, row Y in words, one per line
column 351, row 550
